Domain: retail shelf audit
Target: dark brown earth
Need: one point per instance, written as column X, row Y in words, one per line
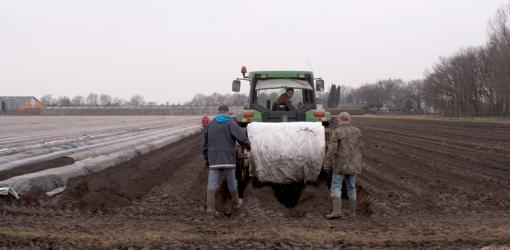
column 428, row 184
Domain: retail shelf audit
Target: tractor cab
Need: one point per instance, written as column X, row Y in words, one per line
column 281, row 96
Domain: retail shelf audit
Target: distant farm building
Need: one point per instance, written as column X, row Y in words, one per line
column 19, row 103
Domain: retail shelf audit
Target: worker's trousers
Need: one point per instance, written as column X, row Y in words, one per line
column 336, row 185
column 214, row 178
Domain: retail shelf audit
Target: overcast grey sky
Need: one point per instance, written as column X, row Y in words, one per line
column 170, row 50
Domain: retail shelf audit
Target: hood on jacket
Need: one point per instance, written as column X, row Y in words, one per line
column 222, row 118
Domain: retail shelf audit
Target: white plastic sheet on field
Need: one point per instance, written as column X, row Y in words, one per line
column 8, row 191
column 56, row 178
column 287, row 152
column 79, row 152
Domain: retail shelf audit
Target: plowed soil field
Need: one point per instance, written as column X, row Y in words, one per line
column 427, row 184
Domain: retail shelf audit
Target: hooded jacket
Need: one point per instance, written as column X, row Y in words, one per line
column 219, row 143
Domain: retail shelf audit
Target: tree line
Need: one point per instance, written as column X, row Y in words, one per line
column 216, row 99
column 474, row 80
column 384, row 93
column 93, row 100
column 104, row 100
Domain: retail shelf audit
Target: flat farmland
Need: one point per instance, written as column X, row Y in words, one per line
column 43, row 152
column 17, row 131
column 427, row 184
column 437, row 165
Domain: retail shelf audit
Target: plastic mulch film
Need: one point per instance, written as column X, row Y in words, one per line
column 287, row 152
column 51, row 179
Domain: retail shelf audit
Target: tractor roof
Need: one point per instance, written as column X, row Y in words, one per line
column 280, row 74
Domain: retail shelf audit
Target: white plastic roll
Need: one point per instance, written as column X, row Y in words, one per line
column 287, row 152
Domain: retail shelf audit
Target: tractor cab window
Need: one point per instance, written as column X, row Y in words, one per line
column 268, row 91
column 268, row 97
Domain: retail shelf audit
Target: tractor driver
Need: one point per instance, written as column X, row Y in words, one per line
column 285, row 100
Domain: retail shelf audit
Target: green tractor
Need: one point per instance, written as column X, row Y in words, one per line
column 267, row 86
column 288, row 140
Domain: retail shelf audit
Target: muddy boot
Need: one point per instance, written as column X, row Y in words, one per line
column 238, row 202
column 211, row 198
column 337, row 209
column 352, row 209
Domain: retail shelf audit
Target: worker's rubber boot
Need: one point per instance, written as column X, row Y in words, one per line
column 337, row 209
column 238, row 202
column 211, row 199
column 352, row 209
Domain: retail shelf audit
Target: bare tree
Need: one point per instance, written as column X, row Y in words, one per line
column 117, row 102
column 499, row 46
column 78, row 101
column 63, row 101
column 137, row 100
column 92, row 99
column 345, row 94
column 387, row 93
column 371, row 94
column 105, row 100
column 48, row 100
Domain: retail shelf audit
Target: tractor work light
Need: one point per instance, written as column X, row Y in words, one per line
column 248, row 114
column 263, row 76
column 301, row 76
column 319, row 114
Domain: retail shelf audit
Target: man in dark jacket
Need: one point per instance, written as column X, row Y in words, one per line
column 285, row 101
column 219, row 145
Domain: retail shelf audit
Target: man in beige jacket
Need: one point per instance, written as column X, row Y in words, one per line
column 344, row 160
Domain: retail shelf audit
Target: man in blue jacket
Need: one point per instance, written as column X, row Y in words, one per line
column 219, row 145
